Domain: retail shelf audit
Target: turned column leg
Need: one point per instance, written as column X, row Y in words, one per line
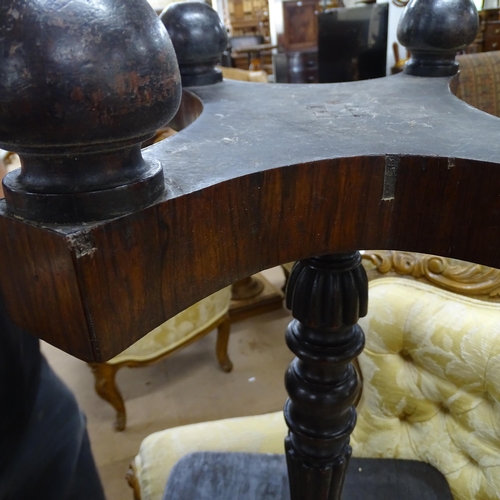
column 326, row 295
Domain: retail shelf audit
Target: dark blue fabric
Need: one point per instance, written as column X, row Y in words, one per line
column 44, row 447
column 52, row 460
column 20, row 360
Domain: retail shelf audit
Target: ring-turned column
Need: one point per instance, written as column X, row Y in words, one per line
column 327, row 295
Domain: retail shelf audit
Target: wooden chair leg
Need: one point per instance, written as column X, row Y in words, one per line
column 221, row 345
column 133, row 481
column 106, row 388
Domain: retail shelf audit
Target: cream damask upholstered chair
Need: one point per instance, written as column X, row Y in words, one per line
column 431, row 382
column 180, row 331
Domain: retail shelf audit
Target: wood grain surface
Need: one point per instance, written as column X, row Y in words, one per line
column 285, row 184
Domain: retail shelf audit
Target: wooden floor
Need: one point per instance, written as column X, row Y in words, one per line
column 185, row 388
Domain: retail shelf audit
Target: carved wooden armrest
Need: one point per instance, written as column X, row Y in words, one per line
column 454, row 275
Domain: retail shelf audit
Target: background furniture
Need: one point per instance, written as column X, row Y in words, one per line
column 8, row 161
column 488, row 36
column 430, row 373
column 176, row 333
column 250, row 52
column 296, row 67
column 297, row 60
column 480, row 81
column 398, row 63
column 300, row 26
column 102, row 242
column 352, row 43
column 259, row 76
column 243, row 17
column 331, row 45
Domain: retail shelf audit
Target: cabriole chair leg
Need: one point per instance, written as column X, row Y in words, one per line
column 105, row 386
column 223, row 331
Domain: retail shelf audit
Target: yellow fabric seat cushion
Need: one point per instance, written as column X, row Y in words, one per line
column 179, row 329
column 160, row 451
column 431, row 392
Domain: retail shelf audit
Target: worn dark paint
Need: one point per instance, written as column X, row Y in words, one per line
column 199, row 38
column 434, row 31
column 81, row 86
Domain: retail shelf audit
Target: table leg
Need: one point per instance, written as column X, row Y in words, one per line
column 327, row 295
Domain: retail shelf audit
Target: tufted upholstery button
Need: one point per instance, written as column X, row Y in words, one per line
column 443, row 408
column 490, row 398
column 406, row 414
column 406, row 355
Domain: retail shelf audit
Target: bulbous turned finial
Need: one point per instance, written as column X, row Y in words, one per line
column 434, row 31
column 82, row 84
column 199, row 37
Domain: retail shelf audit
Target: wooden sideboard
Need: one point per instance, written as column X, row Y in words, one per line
column 297, row 67
column 332, row 45
column 488, row 37
column 300, row 25
column 297, row 60
column 243, row 17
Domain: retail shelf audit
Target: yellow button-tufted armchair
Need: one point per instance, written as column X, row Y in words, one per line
column 431, row 382
column 180, row 331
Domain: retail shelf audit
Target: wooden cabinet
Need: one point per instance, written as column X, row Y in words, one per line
column 300, row 25
column 488, row 37
column 243, row 17
column 298, row 41
column 296, row 67
column 492, row 34
column 303, row 66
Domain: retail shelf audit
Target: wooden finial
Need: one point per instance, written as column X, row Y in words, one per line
column 82, row 84
column 434, row 31
column 199, row 37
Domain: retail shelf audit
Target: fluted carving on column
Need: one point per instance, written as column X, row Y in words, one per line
column 327, row 295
